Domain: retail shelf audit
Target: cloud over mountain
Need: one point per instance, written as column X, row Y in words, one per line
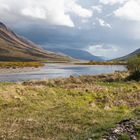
column 51, row 11
column 76, row 24
column 130, row 10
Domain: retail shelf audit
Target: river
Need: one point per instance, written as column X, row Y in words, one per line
column 60, row 70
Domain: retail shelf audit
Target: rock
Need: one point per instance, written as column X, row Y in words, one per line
column 124, row 127
column 89, row 139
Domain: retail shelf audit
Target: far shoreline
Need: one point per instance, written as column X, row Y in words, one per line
column 17, row 67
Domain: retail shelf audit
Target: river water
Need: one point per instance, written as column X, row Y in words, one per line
column 60, row 70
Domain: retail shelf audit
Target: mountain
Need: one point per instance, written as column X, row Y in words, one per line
column 137, row 52
column 16, row 48
column 76, row 53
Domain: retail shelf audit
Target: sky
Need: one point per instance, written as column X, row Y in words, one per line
column 108, row 28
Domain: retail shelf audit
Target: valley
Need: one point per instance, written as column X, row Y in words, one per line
column 67, row 94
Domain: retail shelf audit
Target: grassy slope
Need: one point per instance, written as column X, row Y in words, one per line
column 133, row 54
column 17, row 52
column 15, row 48
column 66, row 109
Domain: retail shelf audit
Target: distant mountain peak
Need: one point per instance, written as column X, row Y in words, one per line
column 75, row 53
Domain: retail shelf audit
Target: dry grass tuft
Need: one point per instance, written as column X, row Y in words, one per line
column 67, row 109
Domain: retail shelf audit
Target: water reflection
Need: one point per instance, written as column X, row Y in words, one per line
column 60, row 70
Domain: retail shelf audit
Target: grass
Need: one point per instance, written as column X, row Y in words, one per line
column 124, row 137
column 66, row 109
column 102, row 63
column 20, row 64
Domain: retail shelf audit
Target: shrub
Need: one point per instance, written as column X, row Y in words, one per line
column 133, row 66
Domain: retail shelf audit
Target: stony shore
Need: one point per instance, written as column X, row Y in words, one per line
column 17, row 70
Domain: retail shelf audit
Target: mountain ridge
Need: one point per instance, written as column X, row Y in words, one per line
column 16, row 48
column 132, row 54
column 76, row 53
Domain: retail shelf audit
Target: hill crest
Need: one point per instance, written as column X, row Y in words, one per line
column 16, row 48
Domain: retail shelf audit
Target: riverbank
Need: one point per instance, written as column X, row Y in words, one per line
column 85, row 107
column 19, row 67
column 14, row 65
column 102, row 63
column 5, row 71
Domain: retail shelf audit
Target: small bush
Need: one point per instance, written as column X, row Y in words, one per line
column 133, row 66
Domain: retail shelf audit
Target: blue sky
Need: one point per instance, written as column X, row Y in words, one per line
column 109, row 28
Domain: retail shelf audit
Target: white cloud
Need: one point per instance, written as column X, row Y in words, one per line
column 103, row 23
column 34, row 12
column 97, row 8
column 72, row 6
column 112, row 2
column 51, row 11
column 103, row 50
column 130, row 10
column 84, row 21
column 4, row 7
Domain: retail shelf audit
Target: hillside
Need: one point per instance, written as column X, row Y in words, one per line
column 76, row 53
column 16, row 48
column 137, row 52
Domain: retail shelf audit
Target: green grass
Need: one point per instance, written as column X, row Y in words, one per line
column 65, row 109
column 124, row 136
column 20, row 64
